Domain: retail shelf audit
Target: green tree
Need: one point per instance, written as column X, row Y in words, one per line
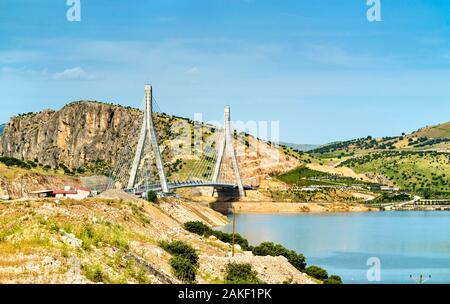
column 317, row 272
column 333, row 279
column 152, row 197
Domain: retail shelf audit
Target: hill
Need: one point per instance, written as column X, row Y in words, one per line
column 2, row 127
column 416, row 162
column 428, row 138
column 439, row 131
column 423, row 173
column 300, row 147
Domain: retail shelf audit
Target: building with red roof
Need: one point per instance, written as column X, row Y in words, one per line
column 72, row 192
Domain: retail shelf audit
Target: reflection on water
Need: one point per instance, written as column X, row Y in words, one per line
column 405, row 242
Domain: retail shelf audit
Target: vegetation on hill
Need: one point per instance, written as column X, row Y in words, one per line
column 392, row 197
column 97, row 167
column 366, row 143
column 425, row 173
column 304, row 177
column 425, row 138
column 307, row 185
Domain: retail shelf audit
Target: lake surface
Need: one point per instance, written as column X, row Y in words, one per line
column 406, row 243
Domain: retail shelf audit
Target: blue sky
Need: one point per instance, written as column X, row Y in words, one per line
column 317, row 66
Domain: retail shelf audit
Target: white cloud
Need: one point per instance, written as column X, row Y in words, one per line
column 76, row 73
column 192, row 70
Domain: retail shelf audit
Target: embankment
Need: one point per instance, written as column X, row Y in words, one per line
column 283, row 207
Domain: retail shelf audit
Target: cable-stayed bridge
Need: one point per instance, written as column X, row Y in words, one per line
column 141, row 166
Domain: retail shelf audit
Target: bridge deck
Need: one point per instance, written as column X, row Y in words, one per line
column 190, row 184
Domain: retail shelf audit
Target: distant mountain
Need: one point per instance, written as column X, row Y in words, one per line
column 1, row 128
column 301, row 147
column 427, row 138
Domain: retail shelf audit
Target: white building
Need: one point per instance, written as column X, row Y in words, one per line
column 391, row 189
column 72, row 192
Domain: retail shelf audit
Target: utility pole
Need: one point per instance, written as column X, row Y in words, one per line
column 21, row 186
column 420, row 280
column 234, row 231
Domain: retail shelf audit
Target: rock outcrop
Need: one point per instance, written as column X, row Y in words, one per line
column 78, row 133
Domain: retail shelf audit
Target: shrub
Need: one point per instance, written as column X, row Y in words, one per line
column 197, row 227
column 184, row 261
column 228, row 238
column 95, row 273
column 317, row 272
column 152, row 197
column 88, row 236
column 241, row 274
column 11, row 161
column 181, row 249
column 183, row 268
column 268, row 248
column 333, row 279
column 200, row 228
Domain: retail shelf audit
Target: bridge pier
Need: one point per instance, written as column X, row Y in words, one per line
column 227, row 194
column 148, row 132
column 227, row 145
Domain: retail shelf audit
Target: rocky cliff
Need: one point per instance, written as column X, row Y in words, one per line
column 78, row 133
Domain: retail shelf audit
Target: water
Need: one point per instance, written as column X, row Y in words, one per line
column 406, row 243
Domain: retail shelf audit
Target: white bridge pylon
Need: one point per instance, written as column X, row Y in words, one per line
column 148, row 132
column 227, row 146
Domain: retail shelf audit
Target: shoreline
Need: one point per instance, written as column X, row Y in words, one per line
column 288, row 208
